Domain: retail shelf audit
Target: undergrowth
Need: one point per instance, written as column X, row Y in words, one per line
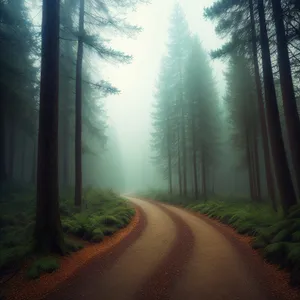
column 103, row 213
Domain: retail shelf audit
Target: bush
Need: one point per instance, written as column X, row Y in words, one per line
column 42, row 265
column 98, row 235
column 106, row 213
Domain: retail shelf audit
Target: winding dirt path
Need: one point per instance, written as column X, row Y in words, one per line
column 173, row 254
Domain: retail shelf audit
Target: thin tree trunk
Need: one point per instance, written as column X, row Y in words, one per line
column 257, row 169
column 66, row 157
column 195, row 165
column 213, row 182
column 262, row 115
column 287, row 89
column 48, row 230
column 283, row 175
column 169, row 158
column 184, row 162
column 23, row 155
column 179, row 163
column 204, row 190
column 78, row 102
column 33, row 171
column 250, row 168
column 3, row 174
column 12, row 148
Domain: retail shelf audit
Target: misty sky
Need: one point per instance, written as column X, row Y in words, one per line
column 130, row 111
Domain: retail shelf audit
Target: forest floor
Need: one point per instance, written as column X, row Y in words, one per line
column 165, row 253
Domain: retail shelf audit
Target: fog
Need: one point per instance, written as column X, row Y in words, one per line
column 130, row 112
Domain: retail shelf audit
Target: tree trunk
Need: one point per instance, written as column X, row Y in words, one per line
column 213, row 182
column 283, row 175
column 23, row 155
column 12, row 147
column 204, row 190
column 250, row 168
column 184, row 162
column 195, row 165
column 179, row 163
column 256, row 168
column 48, row 230
column 78, row 101
column 261, row 109
column 169, row 158
column 33, row 171
column 3, row 174
column 66, row 157
column 287, row 89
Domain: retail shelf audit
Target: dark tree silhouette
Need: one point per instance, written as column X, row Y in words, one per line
column 48, row 231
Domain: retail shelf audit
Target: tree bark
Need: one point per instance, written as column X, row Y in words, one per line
column 78, row 103
column 48, row 230
column 262, row 115
column 283, row 175
column 287, row 89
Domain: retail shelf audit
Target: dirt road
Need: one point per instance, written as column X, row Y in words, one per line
column 176, row 256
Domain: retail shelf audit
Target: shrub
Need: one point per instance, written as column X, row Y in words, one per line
column 42, row 265
column 98, row 235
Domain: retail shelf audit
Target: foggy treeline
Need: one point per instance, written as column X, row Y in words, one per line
column 20, row 59
column 246, row 143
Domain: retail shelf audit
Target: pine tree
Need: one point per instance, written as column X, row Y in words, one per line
column 48, row 231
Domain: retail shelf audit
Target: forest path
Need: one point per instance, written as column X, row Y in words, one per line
column 177, row 256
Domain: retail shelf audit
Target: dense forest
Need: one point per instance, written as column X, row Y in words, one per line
column 246, row 142
column 56, row 141
column 234, row 157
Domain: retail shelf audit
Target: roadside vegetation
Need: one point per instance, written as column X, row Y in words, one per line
column 275, row 236
column 103, row 214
